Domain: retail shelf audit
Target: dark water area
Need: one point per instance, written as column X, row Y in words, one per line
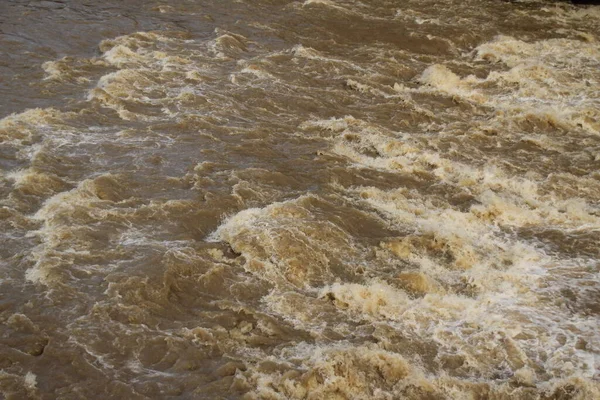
column 299, row 200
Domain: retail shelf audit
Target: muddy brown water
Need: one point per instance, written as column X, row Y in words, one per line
column 299, row 200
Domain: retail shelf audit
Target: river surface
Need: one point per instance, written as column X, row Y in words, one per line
column 274, row 199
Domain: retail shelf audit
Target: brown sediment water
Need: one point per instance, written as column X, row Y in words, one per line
column 299, row 200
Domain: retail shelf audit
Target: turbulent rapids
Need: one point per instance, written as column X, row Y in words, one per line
column 276, row 199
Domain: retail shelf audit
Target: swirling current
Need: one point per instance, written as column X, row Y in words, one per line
column 320, row 199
